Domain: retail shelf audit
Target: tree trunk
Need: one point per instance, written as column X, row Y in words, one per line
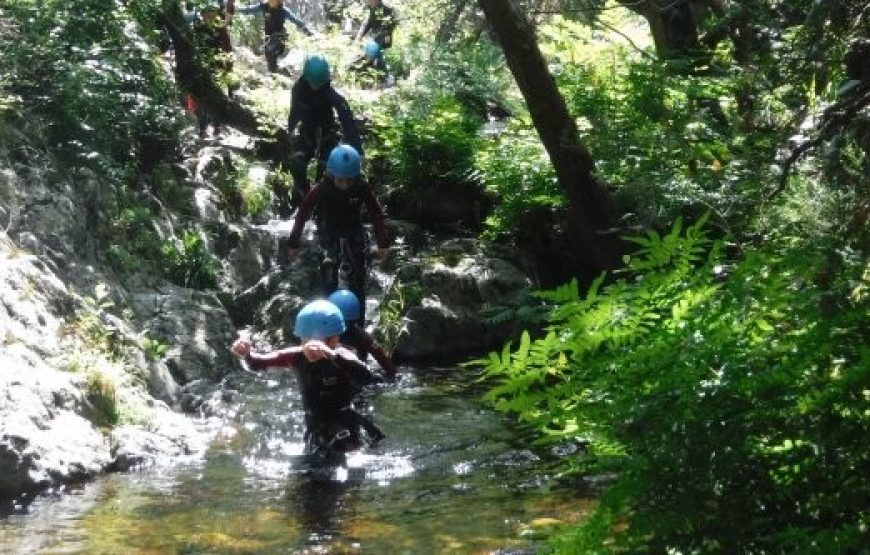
column 195, row 78
column 674, row 26
column 590, row 205
column 448, row 25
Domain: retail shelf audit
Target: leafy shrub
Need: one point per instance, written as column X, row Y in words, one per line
column 190, row 264
column 731, row 398
column 392, row 323
column 516, row 168
column 430, row 145
column 132, row 238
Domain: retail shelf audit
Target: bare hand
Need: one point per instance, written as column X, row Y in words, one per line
column 241, row 347
column 315, row 350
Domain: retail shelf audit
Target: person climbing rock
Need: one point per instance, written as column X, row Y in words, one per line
column 381, row 23
column 314, row 106
column 339, row 199
column 357, row 337
column 212, row 40
column 371, row 66
column 275, row 14
column 329, row 376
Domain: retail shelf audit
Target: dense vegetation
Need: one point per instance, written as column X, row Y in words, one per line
column 723, row 374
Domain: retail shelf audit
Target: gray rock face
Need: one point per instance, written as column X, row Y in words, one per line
column 194, row 324
column 42, row 438
column 458, row 279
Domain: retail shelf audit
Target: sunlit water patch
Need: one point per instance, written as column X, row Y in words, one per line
column 451, row 477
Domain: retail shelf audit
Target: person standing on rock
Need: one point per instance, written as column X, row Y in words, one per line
column 340, row 198
column 357, row 337
column 275, row 14
column 313, row 109
column 329, row 377
column 381, row 23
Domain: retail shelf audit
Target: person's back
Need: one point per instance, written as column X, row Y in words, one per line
column 315, row 106
column 380, row 24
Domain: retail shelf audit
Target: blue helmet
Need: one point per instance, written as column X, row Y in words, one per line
column 316, row 70
column 343, row 162
column 319, row 319
column 372, row 49
column 347, row 303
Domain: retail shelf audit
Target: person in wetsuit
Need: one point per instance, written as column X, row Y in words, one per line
column 357, row 337
column 314, row 106
column 275, row 14
column 329, row 377
column 380, row 24
column 339, row 199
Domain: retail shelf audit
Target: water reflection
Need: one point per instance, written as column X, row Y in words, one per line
column 448, row 478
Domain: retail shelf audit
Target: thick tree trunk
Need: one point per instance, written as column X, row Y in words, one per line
column 589, row 202
column 194, row 77
column 674, row 25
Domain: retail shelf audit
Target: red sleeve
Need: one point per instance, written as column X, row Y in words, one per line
column 286, row 358
column 305, row 211
column 373, row 347
column 376, row 214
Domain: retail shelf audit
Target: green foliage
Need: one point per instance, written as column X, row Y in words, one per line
column 430, row 145
column 94, row 328
column 86, row 70
column 734, row 397
column 392, row 323
column 190, row 263
column 133, row 242
column 155, row 349
column 428, row 134
column 515, row 167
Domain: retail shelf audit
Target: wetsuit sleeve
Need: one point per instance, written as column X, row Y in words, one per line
column 305, row 211
column 374, row 348
column 294, row 117
column 369, row 22
column 297, row 21
column 376, row 215
column 250, row 9
column 345, row 116
column 357, row 370
column 286, row 358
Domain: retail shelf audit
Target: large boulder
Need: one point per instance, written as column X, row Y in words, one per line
column 458, row 280
column 195, row 326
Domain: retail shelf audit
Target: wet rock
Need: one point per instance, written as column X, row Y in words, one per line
column 42, row 441
column 169, row 436
column 207, row 203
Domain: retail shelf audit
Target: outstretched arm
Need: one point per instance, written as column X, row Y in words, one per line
column 357, row 370
column 297, row 21
column 376, row 215
column 249, row 9
column 345, row 116
column 305, row 211
column 373, row 347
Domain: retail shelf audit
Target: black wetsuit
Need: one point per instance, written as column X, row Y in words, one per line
column 315, row 111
